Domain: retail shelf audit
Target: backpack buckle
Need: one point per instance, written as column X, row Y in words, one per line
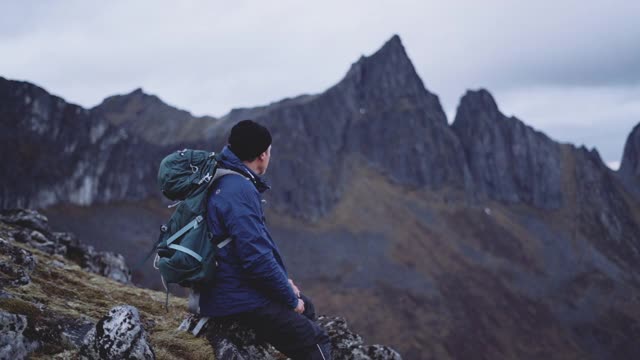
column 206, row 178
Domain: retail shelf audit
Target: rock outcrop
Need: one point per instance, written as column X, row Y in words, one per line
column 350, row 346
column 31, row 227
column 480, row 235
column 16, row 266
column 61, row 153
column 379, row 114
column 50, row 307
column 630, row 165
column 118, row 335
column 151, row 119
column 509, row 161
column 13, row 344
column 232, row 341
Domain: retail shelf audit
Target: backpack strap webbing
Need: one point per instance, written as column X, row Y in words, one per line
column 186, row 250
column 192, row 225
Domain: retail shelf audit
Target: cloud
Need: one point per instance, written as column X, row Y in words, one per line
column 208, row 57
column 614, row 165
column 600, row 116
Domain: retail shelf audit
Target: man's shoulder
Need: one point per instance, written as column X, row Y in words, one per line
column 234, row 185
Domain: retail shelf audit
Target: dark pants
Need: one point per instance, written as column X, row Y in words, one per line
column 297, row 336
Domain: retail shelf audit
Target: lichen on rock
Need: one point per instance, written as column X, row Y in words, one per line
column 13, row 344
column 118, row 335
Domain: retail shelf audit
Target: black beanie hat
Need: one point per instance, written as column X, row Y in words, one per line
column 249, row 139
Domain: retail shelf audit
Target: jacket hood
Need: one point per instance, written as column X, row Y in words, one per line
column 230, row 161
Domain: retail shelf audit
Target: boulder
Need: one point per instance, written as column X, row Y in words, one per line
column 13, row 344
column 347, row 345
column 232, row 341
column 16, row 264
column 118, row 335
column 32, row 228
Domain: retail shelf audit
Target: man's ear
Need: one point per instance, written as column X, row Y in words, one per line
column 263, row 155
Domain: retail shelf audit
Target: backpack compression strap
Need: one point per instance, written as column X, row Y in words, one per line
column 196, row 222
column 192, row 225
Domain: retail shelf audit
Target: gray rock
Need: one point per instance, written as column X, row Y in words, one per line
column 630, row 165
column 32, row 228
column 606, row 217
column 138, row 113
column 381, row 100
column 72, row 156
column 379, row 115
column 347, row 345
column 231, row 341
column 509, row 161
column 26, row 218
column 13, row 345
column 74, row 332
column 16, row 265
column 118, row 335
column 106, row 263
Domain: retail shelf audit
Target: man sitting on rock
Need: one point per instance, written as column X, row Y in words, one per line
column 251, row 284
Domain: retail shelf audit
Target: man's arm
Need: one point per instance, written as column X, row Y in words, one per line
column 295, row 288
column 244, row 224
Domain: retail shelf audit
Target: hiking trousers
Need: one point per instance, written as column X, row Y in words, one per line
column 297, row 336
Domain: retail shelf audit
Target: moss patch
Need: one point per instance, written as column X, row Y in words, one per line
column 65, row 291
column 21, row 307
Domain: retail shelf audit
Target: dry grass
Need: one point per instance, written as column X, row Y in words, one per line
column 69, row 293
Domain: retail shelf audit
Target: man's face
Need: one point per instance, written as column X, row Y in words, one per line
column 264, row 161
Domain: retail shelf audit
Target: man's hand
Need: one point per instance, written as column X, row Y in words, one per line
column 300, row 308
column 295, row 288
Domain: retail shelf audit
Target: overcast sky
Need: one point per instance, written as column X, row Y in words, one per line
column 568, row 68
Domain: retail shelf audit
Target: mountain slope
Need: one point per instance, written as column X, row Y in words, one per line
column 630, row 165
column 509, row 161
column 153, row 120
column 445, row 241
column 380, row 112
column 60, row 153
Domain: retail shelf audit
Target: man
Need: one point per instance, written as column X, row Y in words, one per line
column 251, row 284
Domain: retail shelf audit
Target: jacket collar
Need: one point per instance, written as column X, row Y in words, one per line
column 230, row 161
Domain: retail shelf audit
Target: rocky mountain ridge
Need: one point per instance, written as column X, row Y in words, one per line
column 51, row 306
column 480, row 234
column 630, row 165
column 381, row 100
column 60, row 153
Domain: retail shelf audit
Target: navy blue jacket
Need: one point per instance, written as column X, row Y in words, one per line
column 250, row 271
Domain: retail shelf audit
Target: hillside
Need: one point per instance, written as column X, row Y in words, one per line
column 444, row 241
column 61, row 299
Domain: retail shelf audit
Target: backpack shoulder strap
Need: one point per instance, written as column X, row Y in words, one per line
column 220, row 172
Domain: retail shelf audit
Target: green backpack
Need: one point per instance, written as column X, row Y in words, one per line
column 186, row 248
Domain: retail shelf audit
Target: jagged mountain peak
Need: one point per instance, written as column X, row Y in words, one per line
column 393, row 46
column 477, row 103
column 391, row 56
column 509, row 160
column 631, row 158
column 137, row 91
column 389, row 69
column 151, row 118
column 630, row 164
column 138, row 96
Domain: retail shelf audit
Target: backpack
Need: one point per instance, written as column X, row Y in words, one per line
column 186, row 248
